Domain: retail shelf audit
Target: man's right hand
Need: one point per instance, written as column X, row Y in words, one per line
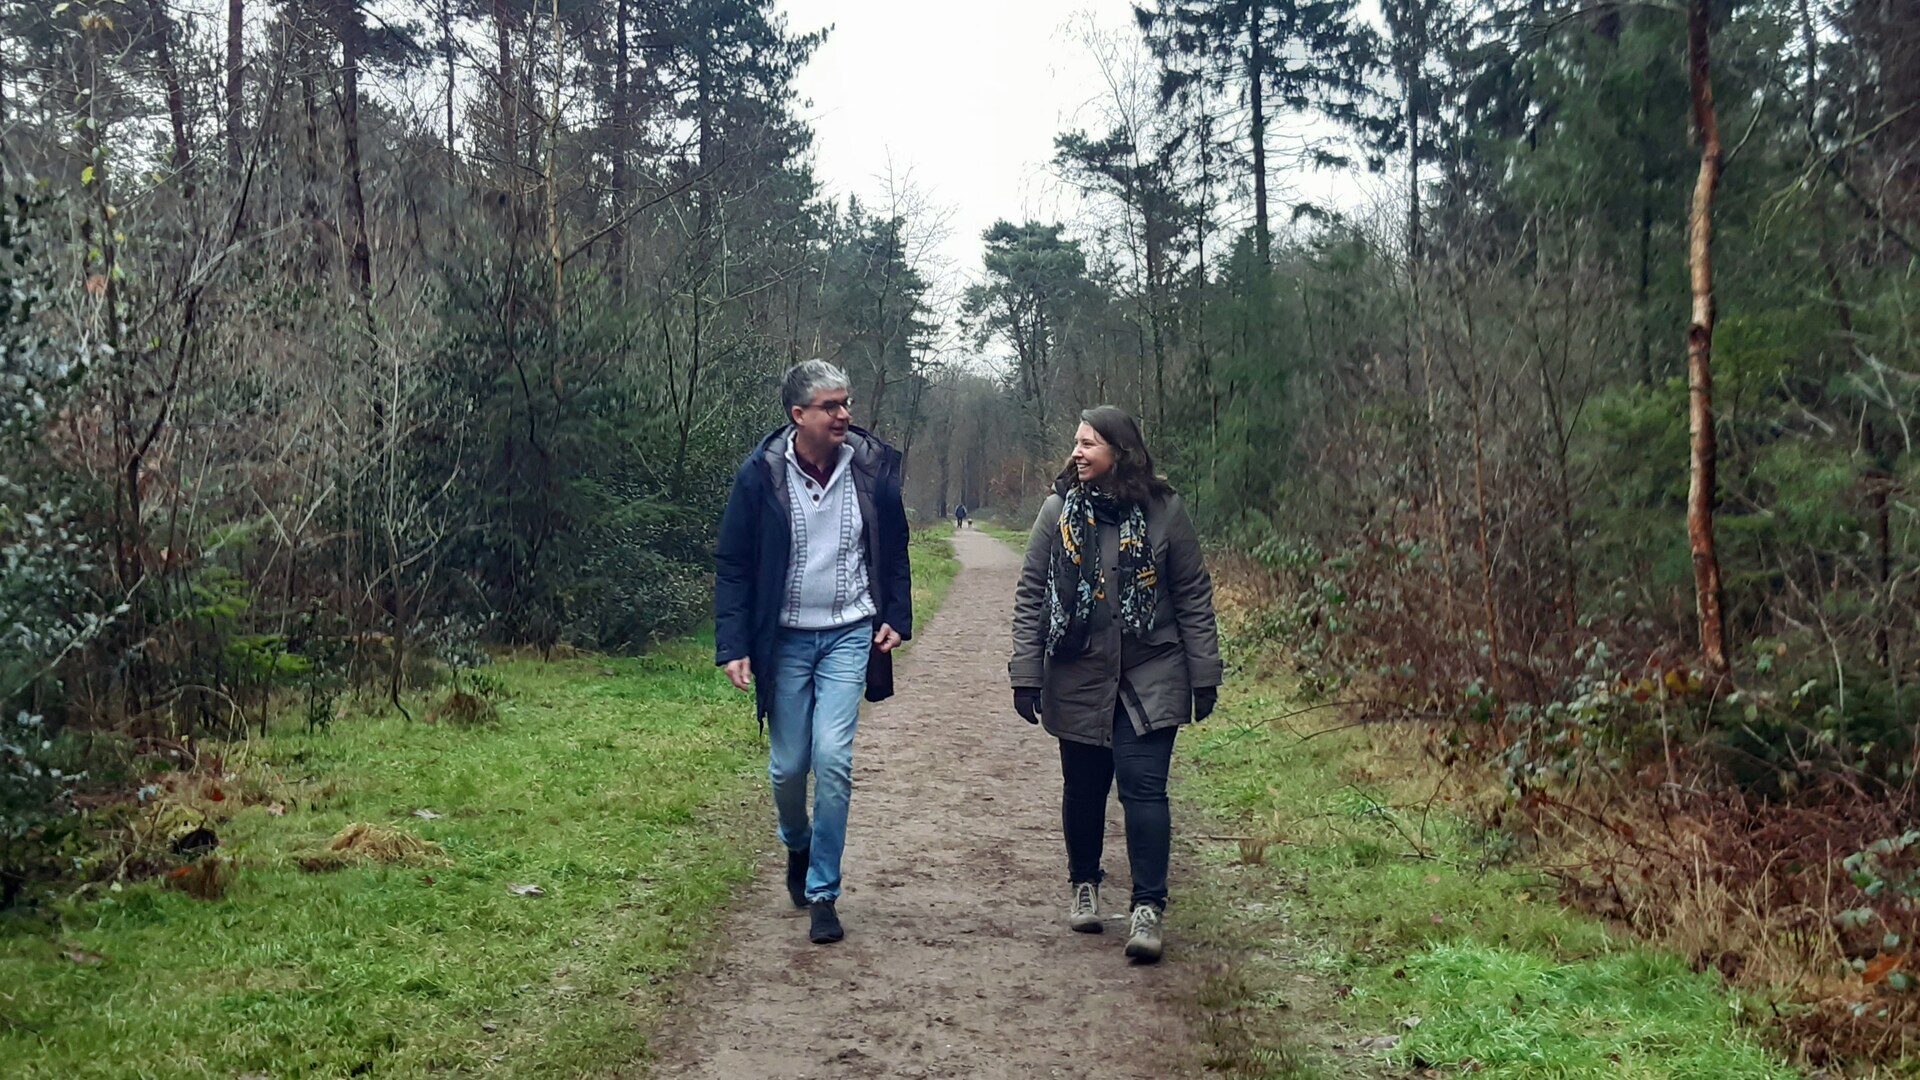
column 1026, row 702
column 741, row 672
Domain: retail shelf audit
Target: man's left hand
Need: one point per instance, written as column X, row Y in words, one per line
column 885, row 639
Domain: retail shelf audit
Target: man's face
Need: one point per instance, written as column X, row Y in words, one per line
column 823, row 421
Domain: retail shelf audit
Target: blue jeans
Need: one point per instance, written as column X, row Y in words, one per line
column 818, row 679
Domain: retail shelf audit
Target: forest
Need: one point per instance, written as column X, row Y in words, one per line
column 343, row 340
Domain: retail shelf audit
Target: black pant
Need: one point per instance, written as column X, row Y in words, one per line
column 1140, row 764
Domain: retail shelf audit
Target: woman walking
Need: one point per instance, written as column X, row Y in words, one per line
column 1114, row 647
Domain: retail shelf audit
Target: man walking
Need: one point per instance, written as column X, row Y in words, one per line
column 812, row 594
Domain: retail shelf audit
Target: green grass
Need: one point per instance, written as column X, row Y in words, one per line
column 626, row 788
column 600, row 789
column 934, row 567
column 1016, row 536
column 1375, row 921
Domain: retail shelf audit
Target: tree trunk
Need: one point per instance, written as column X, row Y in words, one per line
column 702, row 259
column 1443, row 519
column 553, row 171
column 310, row 158
column 101, row 263
column 1409, row 81
column 321, row 247
column 350, row 30
column 236, row 61
column 1644, row 301
column 1151, row 230
column 946, row 470
column 1701, row 488
column 1202, row 338
column 1256, row 80
column 448, row 50
column 1490, row 612
column 176, row 93
column 509, row 115
column 450, row 201
column 622, row 138
column 1878, row 476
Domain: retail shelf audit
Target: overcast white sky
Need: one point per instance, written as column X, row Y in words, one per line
column 965, row 96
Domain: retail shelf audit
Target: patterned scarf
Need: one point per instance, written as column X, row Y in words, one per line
column 1074, row 580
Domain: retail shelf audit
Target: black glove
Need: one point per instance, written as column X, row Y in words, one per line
column 1026, row 702
column 1204, row 699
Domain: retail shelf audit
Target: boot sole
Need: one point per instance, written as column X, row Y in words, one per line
column 1095, row 925
column 1144, row 953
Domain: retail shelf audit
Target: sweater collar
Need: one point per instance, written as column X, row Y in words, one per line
column 794, row 462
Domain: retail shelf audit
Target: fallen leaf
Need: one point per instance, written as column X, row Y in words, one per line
column 215, row 794
column 426, row 815
column 1882, row 966
column 1378, row 1043
column 1436, row 918
column 276, row 809
column 426, row 879
column 1410, row 1023
column 526, row 890
column 1433, row 879
column 83, row 957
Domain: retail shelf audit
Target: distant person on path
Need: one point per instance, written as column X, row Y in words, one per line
column 960, row 516
column 811, row 596
column 1114, row 647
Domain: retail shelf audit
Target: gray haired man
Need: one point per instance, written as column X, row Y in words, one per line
column 812, row 594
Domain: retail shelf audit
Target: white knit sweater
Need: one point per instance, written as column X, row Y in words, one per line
column 827, row 583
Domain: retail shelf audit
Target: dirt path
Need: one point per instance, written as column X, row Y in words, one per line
column 957, row 961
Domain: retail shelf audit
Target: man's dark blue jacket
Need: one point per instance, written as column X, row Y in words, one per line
column 754, row 553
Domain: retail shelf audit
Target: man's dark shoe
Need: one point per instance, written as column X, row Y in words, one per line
column 826, row 925
column 797, row 875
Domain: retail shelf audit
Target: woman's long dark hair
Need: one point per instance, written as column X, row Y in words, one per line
column 1132, row 479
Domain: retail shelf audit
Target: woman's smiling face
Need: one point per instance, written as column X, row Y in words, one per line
column 1092, row 457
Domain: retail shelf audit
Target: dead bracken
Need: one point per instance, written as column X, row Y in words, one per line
column 361, row 843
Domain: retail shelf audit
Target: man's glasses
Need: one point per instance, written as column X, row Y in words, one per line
column 844, row 405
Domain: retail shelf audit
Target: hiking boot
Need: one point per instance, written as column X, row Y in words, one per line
column 826, row 925
column 1084, row 915
column 1143, row 934
column 797, row 875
